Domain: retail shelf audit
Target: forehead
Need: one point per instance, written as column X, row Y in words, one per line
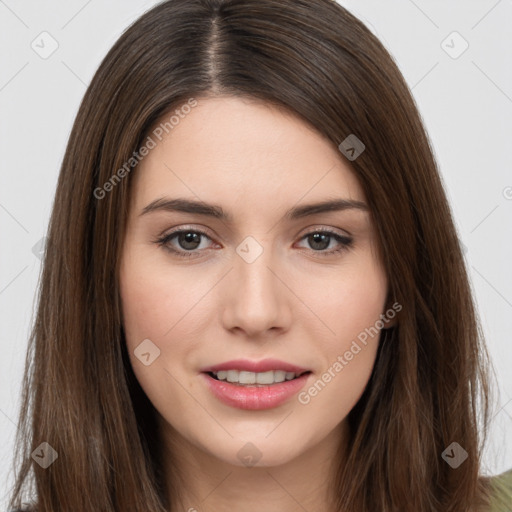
column 242, row 152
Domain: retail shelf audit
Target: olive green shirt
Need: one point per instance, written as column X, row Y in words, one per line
column 502, row 492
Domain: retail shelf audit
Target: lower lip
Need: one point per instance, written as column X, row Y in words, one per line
column 253, row 397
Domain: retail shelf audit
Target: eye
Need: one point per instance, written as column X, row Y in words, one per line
column 321, row 239
column 188, row 241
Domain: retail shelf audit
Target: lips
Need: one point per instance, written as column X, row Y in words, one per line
column 260, row 394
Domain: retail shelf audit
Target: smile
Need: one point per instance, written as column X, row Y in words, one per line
column 255, row 396
column 246, row 378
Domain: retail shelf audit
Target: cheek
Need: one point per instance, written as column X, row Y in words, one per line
column 156, row 300
column 351, row 308
column 157, row 306
column 348, row 359
column 172, row 308
column 351, row 304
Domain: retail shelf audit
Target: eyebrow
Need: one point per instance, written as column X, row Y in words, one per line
column 215, row 211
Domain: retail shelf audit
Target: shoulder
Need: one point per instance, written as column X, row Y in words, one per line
column 501, row 492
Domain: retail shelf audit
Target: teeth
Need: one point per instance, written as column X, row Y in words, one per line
column 247, row 378
column 265, row 377
column 233, row 375
column 279, row 376
column 244, row 377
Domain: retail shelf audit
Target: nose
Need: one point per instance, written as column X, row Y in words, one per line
column 257, row 296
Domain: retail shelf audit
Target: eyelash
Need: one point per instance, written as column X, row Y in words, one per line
column 344, row 241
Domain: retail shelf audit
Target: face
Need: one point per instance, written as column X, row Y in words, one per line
column 240, row 278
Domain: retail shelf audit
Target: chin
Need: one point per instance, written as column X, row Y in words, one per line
column 259, row 451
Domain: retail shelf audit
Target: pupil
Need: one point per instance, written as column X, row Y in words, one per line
column 319, row 238
column 189, row 238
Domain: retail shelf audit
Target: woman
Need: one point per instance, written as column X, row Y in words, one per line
column 253, row 294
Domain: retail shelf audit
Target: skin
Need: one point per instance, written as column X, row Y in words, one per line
column 292, row 303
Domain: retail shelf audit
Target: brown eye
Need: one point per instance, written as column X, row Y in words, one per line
column 320, row 240
column 187, row 242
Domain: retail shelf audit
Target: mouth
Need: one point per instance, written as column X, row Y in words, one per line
column 255, row 390
column 256, row 385
column 245, row 378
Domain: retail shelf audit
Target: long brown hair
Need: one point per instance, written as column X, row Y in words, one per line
column 429, row 387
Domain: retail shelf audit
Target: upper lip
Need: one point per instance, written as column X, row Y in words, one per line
column 264, row 365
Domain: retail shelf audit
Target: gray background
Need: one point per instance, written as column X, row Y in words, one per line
column 465, row 100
